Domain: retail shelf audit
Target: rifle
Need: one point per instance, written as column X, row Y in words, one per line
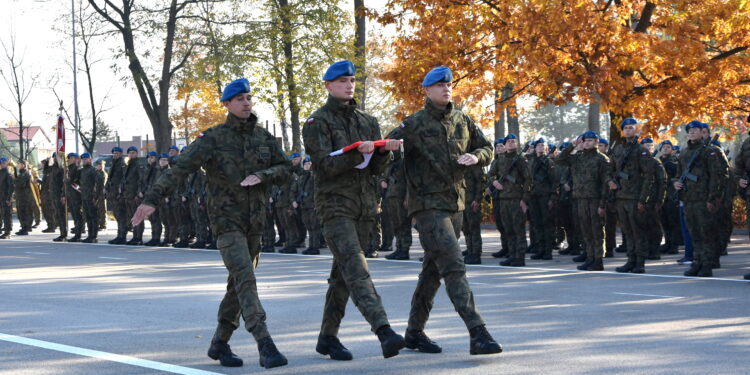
column 301, row 194
column 621, row 172
column 686, row 175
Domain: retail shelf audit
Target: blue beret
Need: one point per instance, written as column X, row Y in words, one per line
column 603, row 141
column 173, row 147
column 676, row 147
column 667, row 142
column 234, row 88
column 72, row 155
column 589, row 134
column 153, row 153
column 500, row 140
column 85, row 155
column 628, row 121
column 183, row 149
column 511, row 136
column 439, row 74
column 693, row 124
column 116, row 149
column 132, row 148
column 550, row 145
column 338, row 69
column 538, row 141
column 307, row 160
column 3, row 160
column 565, row 145
column 164, row 155
column 704, row 125
column 647, row 140
column 295, row 155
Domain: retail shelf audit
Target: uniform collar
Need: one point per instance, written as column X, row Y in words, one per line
column 433, row 110
column 241, row 124
column 337, row 106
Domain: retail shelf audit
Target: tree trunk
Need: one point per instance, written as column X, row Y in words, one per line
column 499, row 117
column 513, row 125
column 360, row 41
column 593, row 118
column 615, row 134
column 286, row 42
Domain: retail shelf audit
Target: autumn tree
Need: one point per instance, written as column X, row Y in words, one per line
column 664, row 63
column 20, row 83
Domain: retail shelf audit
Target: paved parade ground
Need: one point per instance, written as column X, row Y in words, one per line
column 71, row 308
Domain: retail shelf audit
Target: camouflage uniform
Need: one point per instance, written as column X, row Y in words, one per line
column 197, row 194
column 57, row 188
column 634, row 171
column 543, row 192
column 345, row 199
column 670, row 211
column 24, row 199
column 656, row 200
column 91, row 193
column 101, row 204
column 229, row 153
column 74, row 199
column 153, row 171
column 567, row 213
column 134, row 183
column 115, row 201
column 396, row 212
column 513, row 173
column 304, row 194
column 48, row 205
column 6, row 196
column 711, row 171
column 283, row 206
column 590, row 172
column 472, row 220
column 433, row 140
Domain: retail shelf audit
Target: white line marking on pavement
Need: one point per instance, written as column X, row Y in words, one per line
column 473, row 283
column 646, row 295
column 113, row 258
column 36, row 253
column 316, row 272
column 105, row 356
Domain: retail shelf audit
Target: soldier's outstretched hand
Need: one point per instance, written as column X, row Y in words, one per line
column 366, row 147
column 142, row 213
column 468, row 159
column 250, row 180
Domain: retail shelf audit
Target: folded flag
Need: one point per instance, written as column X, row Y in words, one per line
column 353, row 146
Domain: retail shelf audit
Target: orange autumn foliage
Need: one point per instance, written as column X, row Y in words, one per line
column 199, row 107
column 664, row 62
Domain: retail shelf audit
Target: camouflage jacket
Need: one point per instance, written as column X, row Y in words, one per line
column 91, row 183
column 544, row 174
column 475, row 183
column 56, row 181
column 73, row 178
column 710, row 170
column 134, row 181
column 340, row 188
column 6, row 185
column 396, row 179
column 742, row 160
column 659, row 190
column 512, row 171
column 115, row 178
column 590, row 173
column 433, row 140
column 23, row 186
column 283, row 195
column 229, row 153
column 636, row 177
column 303, row 190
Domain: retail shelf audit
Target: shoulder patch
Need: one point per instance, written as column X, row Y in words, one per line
column 200, row 135
column 403, row 124
column 644, row 153
column 310, row 121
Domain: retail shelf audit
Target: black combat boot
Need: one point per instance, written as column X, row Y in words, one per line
column 585, row 265
column 269, row 356
column 134, row 242
column 60, row 238
column 621, row 249
column 506, row 262
column 278, row 243
column 472, row 259
column 596, row 265
column 747, row 276
column 706, row 271
column 581, row 258
column 417, row 340
column 654, row 254
column 165, row 243
column 49, row 230
column 268, row 249
column 220, row 350
column 22, row 232
column 371, row 253
column 288, row 250
column 76, row 238
column 181, row 244
column 198, row 245
column 640, row 265
column 537, row 256
column 391, row 342
column 385, row 249
column 693, row 270
column 627, row 267
column 399, row 254
column 482, row 342
column 332, row 347
column 152, row 242
column 90, row 240
column 311, row 251
column 500, row 254
column 117, row 241
column 519, row 262
column 5, row 236
column 465, row 253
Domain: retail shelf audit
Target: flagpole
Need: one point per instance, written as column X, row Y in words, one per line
column 76, row 122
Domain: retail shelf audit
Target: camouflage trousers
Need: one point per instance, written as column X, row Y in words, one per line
column 312, row 225
column 438, row 232
column 400, row 222
column 514, row 223
column 542, row 225
column 240, row 253
column 610, row 228
column 350, row 276
column 499, row 223
column 633, row 228
column 670, row 221
column 132, row 205
column 48, row 210
column 386, row 223
column 568, row 221
column 200, row 220
column 592, row 227
column 186, row 227
column 24, row 210
column 61, row 217
column 101, row 210
column 36, row 212
column 6, row 211
column 75, row 206
column 156, row 224
column 653, row 228
column 120, row 211
column 703, row 228
column 269, row 233
column 170, row 220
column 286, row 221
column 472, row 231
column 90, row 212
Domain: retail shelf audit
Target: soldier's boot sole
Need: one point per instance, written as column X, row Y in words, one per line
column 627, row 267
column 336, row 354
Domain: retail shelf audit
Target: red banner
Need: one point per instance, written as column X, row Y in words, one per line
column 60, row 135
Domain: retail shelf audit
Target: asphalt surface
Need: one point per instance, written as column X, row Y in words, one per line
column 71, row 308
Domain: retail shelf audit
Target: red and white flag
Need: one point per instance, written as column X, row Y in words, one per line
column 60, row 144
column 379, row 143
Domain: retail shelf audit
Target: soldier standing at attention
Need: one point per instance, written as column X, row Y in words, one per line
column 610, row 222
column 91, row 192
column 57, row 188
column 590, row 172
column 241, row 159
column 670, row 211
column 153, row 171
column 345, row 199
column 24, row 198
column 631, row 184
column 115, row 201
column 440, row 143
column 543, row 197
column 101, row 205
column 491, row 192
column 304, row 201
column 396, row 208
column 73, row 193
column 6, row 199
column 472, row 215
column 511, row 177
column 132, row 191
column 48, row 205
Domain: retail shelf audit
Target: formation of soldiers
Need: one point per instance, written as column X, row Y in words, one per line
column 233, row 189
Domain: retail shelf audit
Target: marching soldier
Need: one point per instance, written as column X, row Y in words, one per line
column 241, row 159
column 631, row 186
column 115, row 199
column 6, row 198
column 91, row 186
column 345, row 199
column 440, row 142
column 24, row 198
